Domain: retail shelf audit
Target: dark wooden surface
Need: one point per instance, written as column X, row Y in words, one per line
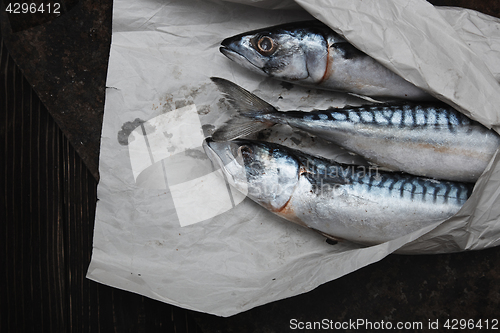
column 47, row 211
column 48, row 178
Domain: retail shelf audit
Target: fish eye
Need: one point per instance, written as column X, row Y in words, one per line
column 266, row 45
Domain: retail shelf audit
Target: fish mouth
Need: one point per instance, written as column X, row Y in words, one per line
column 240, row 59
column 222, row 154
column 212, row 154
column 232, row 167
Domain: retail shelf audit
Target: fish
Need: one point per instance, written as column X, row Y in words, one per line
column 309, row 53
column 342, row 202
column 425, row 139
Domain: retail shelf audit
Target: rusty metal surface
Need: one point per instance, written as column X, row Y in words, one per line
column 65, row 60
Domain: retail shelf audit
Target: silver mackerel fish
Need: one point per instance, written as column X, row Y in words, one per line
column 425, row 139
column 309, row 53
column 348, row 202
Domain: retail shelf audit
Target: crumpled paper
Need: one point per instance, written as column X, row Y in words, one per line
column 170, row 228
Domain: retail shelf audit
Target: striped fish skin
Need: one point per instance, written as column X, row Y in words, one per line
column 365, row 206
column 425, row 139
column 309, row 53
column 431, row 140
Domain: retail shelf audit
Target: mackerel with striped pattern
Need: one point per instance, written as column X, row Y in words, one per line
column 355, row 203
column 425, row 139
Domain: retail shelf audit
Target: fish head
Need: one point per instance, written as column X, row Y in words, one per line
column 289, row 52
column 260, row 170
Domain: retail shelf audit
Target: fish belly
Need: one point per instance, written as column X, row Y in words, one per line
column 367, row 215
column 365, row 76
column 460, row 155
column 447, row 160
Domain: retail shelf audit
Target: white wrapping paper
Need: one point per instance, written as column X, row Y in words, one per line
column 168, row 227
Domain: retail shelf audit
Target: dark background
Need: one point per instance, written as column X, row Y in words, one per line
column 52, row 84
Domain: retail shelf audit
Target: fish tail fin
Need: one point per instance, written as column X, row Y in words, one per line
column 250, row 112
column 237, row 127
